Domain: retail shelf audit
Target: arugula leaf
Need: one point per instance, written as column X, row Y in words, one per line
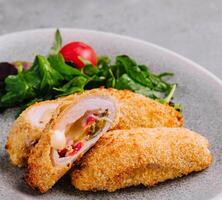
column 32, row 78
column 50, row 77
column 57, row 43
column 168, row 98
column 77, row 84
column 58, row 63
column 103, row 61
column 126, row 61
column 104, row 65
column 142, row 75
column 125, row 82
column 98, row 76
column 159, row 84
column 164, row 74
column 19, row 88
column 96, row 82
column 112, row 79
column 133, row 70
column 91, row 70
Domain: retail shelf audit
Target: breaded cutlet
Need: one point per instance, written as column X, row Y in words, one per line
column 124, row 158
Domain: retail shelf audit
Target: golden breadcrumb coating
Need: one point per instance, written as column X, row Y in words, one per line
column 137, row 110
column 23, row 135
column 134, row 111
column 124, row 158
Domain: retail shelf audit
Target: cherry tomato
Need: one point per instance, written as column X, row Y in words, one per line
column 74, row 51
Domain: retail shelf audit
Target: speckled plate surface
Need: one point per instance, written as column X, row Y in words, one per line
column 199, row 91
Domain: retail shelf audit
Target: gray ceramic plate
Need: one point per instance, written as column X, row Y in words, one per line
column 199, row 91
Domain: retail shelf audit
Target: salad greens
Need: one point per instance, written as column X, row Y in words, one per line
column 57, row 43
column 50, row 77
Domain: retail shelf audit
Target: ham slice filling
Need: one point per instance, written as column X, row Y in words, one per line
column 83, row 130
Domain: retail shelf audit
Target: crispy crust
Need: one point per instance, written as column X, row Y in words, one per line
column 134, row 111
column 137, row 110
column 21, row 134
column 41, row 172
column 124, row 158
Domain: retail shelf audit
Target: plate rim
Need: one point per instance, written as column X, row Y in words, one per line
column 165, row 50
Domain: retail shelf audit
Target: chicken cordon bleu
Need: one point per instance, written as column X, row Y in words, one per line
column 135, row 111
column 67, row 136
column 124, row 158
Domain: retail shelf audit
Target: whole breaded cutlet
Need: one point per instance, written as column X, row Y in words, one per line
column 124, row 158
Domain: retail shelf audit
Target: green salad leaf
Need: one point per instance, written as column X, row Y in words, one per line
column 125, row 82
column 50, row 77
column 19, row 88
column 57, row 43
column 58, row 63
column 77, row 84
column 133, row 70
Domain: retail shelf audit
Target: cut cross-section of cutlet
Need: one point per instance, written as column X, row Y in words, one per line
column 27, row 128
column 68, row 136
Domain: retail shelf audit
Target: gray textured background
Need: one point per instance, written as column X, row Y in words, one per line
column 191, row 28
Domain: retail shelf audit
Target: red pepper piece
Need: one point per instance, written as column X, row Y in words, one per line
column 89, row 132
column 90, row 120
column 78, row 146
column 62, row 153
column 75, row 148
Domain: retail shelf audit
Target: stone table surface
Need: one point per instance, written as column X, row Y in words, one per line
column 191, row 28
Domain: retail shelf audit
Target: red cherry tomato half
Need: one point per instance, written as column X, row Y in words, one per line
column 74, row 51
